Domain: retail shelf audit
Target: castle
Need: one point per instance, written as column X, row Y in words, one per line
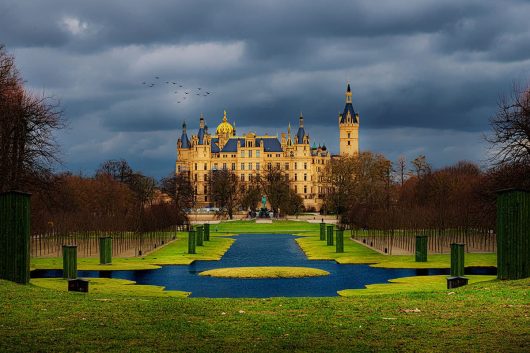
column 249, row 154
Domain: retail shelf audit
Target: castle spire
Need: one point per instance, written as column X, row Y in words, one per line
column 185, row 142
column 301, row 120
column 348, row 94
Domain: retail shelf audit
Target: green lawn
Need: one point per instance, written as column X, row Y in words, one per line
column 410, row 284
column 482, row 317
column 355, row 253
column 265, row 272
column 174, row 253
column 279, row 227
column 112, row 286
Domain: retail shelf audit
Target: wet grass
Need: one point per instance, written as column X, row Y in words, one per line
column 482, row 317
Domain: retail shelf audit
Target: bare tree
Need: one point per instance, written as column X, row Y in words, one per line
column 180, row 189
column 251, row 195
column 276, row 187
column 401, row 168
column 421, row 166
column 224, row 191
column 511, row 129
column 119, row 170
column 28, row 149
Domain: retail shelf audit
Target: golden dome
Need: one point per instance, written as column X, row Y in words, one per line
column 225, row 127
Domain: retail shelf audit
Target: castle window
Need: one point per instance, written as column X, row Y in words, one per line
column 250, row 166
column 257, row 153
column 242, row 177
column 215, row 166
column 305, row 165
column 269, row 166
column 195, row 177
column 224, row 166
column 348, row 135
column 205, row 190
column 295, row 165
column 295, row 177
column 257, row 166
column 242, row 154
column 348, row 143
column 286, row 166
column 277, row 155
column 242, row 166
column 305, row 177
column 205, row 177
column 205, row 198
column 249, row 153
column 233, row 166
column 277, row 165
column 195, row 166
column 205, row 166
column 305, row 189
column 295, row 188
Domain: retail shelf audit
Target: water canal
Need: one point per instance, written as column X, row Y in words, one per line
column 262, row 250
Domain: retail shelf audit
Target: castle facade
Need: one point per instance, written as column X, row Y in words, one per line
column 249, row 154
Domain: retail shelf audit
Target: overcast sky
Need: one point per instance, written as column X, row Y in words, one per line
column 425, row 75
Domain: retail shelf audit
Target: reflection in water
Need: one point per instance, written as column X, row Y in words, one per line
column 263, row 250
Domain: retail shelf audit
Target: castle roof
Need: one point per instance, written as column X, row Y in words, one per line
column 348, row 108
column 225, row 127
column 200, row 135
column 184, row 138
column 270, row 144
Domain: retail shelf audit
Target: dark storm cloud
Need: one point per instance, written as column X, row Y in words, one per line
column 419, row 70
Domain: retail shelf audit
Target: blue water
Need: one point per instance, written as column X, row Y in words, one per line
column 262, row 250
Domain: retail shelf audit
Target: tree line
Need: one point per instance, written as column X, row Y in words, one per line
column 115, row 198
column 369, row 191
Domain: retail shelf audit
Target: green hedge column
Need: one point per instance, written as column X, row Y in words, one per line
column 105, row 250
column 322, row 231
column 70, row 261
column 339, row 244
column 513, row 234
column 329, row 237
column 14, row 236
column 191, row 242
column 206, row 231
column 421, row 248
column 457, row 260
column 199, row 235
